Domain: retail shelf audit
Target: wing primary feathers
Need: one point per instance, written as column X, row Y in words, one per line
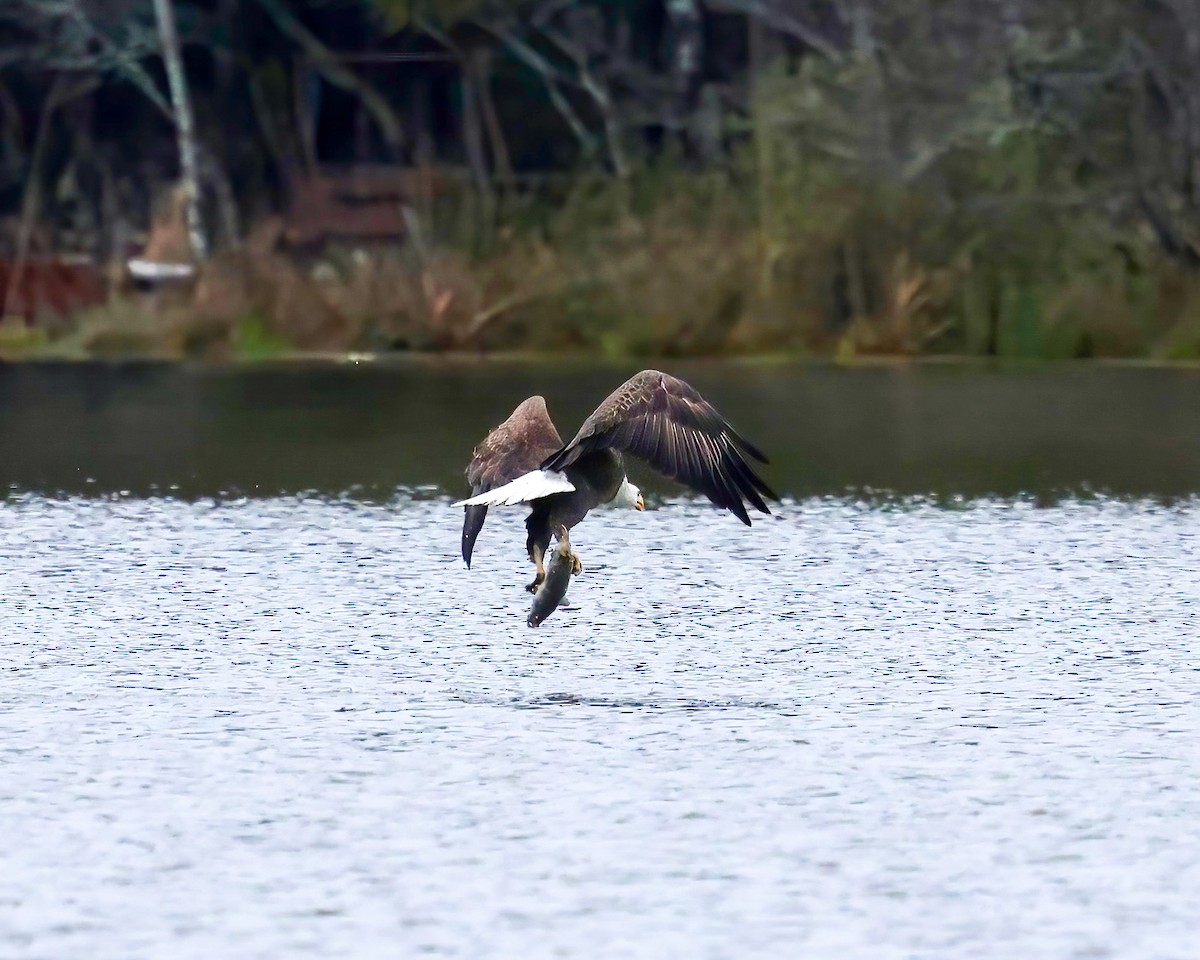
column 749, row 482
column 744, row 446
column 733, row 501
column 738, row 470
column 701, row 471
column 662, row 440
column 720, row 474
column 667, row 423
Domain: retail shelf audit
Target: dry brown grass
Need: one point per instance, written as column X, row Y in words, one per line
column 690, row 267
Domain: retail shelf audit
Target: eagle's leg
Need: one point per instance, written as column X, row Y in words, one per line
column 538, row 541
column 577, row 567
column 535, row 554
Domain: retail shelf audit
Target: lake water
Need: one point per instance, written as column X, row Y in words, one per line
column 942, row 704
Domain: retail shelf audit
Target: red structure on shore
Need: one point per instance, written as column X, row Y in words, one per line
column 39, row 288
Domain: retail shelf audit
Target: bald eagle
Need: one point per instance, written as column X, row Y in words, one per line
column 653, row 416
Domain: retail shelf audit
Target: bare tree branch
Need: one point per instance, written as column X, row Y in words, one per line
column 333, row 71
column 551, row 78
column 600, row 95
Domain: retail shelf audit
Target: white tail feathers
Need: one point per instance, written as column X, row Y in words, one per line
column 530, row 486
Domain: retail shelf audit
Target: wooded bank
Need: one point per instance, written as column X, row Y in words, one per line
column 636, row 176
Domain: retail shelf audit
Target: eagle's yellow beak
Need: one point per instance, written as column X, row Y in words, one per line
column 641, row 504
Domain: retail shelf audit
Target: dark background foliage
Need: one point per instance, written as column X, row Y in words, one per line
column 1007, row 177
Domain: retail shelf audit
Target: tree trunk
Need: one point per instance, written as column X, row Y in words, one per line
column 472, row 132
column 480, row 65
column 686, row 46
column 185, row 129
column 306, row 105
column 31, row 199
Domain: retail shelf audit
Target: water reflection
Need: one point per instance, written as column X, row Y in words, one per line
column 946, row 431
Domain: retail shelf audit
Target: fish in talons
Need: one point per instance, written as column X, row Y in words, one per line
column 553, row 589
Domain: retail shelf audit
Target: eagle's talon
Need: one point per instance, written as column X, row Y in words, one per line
column 577, row 567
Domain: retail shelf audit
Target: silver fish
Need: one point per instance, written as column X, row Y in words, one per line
column 558, row 574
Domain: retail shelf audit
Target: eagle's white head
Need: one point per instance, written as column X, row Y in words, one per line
column 629, row 495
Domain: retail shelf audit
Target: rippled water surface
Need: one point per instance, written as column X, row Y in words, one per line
column 300, row 727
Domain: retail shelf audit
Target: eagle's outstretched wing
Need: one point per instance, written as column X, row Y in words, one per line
column 666, row 422
column 510, row 450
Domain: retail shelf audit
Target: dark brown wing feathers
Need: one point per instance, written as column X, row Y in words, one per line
column 665, row 422
column 515, row 447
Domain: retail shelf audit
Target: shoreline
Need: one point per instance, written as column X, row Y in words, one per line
column 463, row 358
